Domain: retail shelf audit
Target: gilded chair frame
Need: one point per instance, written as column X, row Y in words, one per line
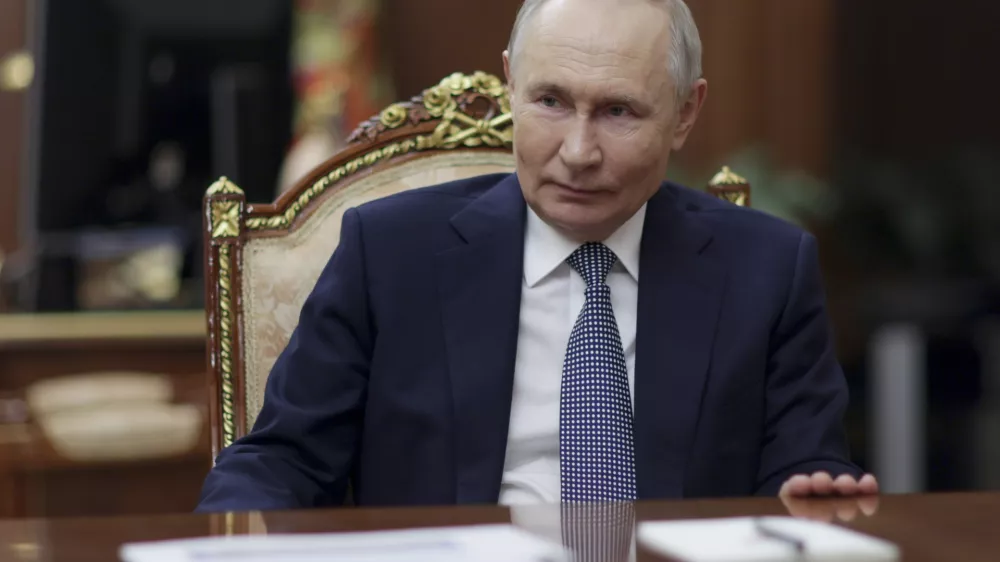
column 461, row 113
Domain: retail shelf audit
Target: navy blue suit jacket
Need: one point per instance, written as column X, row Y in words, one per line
column 399, row 376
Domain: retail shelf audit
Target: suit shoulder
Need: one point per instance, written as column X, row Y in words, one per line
column 728, row 217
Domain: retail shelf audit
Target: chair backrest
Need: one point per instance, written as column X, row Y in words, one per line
column 262, row 261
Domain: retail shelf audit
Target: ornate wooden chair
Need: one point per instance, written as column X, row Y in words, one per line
column 263, row 260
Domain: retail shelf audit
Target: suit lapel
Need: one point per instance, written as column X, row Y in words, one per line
column 680, row 295
column 479, row 282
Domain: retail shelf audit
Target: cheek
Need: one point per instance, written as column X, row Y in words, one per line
column 635, row 155
column 536, row 139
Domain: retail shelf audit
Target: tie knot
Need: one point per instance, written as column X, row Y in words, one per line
column 593, row 261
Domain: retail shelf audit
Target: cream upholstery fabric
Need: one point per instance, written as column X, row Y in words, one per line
column 280, row 272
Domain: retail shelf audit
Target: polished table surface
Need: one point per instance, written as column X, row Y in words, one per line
column 930, row 527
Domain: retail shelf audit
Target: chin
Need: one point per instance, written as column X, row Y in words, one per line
column 580, row 222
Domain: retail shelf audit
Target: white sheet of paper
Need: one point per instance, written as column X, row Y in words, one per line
column 485, row 543
column 737, row 539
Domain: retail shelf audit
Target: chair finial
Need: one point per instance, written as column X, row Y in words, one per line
column 223, row 186
column 727, row 177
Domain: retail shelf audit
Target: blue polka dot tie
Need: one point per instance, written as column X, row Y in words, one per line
column 596, row 449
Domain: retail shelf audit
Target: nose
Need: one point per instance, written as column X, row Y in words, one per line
column 580, row 149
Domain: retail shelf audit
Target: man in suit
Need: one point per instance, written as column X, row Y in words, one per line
column 578, row 331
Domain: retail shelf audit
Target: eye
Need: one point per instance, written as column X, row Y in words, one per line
column 618, row 111
column 549, row 101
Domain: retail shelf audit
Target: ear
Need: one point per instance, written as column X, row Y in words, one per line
column 688, row 113
column 506, row 69
column 509, row 76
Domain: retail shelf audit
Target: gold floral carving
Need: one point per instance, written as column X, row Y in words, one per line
column 449, row 102
column 393, row 116
column 438, row 100
column 225, row 219
column 226, row 345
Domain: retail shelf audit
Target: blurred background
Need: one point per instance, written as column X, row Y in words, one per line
column 872, row 124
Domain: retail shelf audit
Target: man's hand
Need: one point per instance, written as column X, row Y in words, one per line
column 822, row 498
column 821, row 484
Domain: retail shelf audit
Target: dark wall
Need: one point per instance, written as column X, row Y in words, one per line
column 918, row 76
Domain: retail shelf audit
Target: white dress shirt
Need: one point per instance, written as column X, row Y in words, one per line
column 552, row 295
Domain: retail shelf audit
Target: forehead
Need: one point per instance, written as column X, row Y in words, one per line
column 592, row 43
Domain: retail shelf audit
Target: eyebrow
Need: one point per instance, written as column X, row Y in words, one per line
column 546, row 87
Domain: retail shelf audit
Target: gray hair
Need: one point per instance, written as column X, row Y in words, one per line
column 685, row 47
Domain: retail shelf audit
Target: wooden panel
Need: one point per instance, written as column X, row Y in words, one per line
column 45, row 484
column 34, row 479
column 769, row 65
column 799, row 49
column 430, row 39
column 35, row 347
column 13, row 20
column 162, row 486
column 733, row 116
column 49, row 485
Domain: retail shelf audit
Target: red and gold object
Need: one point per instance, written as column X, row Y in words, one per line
column 339, row 77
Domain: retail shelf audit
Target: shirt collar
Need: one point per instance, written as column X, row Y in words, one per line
column 545, row 248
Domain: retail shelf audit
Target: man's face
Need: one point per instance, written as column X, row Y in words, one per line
column 595, row 114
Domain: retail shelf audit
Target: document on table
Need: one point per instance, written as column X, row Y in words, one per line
column 486, row 543
column 771, row 539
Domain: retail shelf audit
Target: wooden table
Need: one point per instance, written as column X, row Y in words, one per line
column 927, row 527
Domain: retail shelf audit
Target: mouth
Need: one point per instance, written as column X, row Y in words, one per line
column 577, row 192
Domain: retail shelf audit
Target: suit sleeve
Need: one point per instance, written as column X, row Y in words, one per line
column 806, row 389
column 303, row 445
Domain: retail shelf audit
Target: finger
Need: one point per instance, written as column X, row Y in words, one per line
column 868, row 505
column 845, row 485
column 868, row 485
column 796, row 507
column 822, row 484
column 846, row 508
column 797, row 486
